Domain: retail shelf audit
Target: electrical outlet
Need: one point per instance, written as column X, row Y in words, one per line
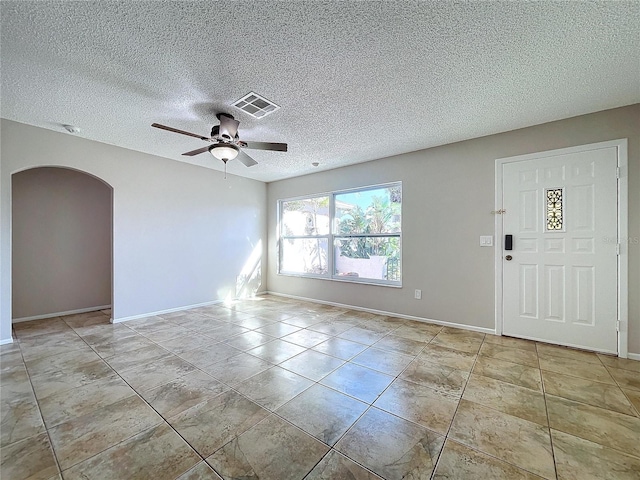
column 418, row 294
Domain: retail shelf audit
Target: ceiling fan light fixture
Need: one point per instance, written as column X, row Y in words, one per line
column 224, row 152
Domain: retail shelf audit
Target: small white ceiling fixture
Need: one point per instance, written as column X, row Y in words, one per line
column 71, row 129
column 255, row 105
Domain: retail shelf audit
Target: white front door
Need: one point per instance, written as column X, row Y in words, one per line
column 560, row 278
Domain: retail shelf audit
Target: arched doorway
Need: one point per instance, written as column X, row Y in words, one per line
column 61, row 243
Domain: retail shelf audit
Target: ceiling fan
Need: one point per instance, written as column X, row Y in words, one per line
column 226, row 142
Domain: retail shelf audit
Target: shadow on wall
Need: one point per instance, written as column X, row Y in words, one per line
column 61, row 242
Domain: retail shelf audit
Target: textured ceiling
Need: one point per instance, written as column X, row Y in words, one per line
column 355, row 81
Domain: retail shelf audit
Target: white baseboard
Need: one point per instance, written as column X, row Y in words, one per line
column 6, row 341
column 633, row 356
column 393, row 314
column 60, row 314
column 169, row 310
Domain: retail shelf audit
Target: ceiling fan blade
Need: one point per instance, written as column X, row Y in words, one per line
column 175, row 130
column 246, row 159
column 228, row 126
column 196, row 152
column 277, row 147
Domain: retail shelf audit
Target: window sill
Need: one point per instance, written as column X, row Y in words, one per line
column 342, row 279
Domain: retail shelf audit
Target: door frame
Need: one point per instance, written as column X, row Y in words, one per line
column 623, row 231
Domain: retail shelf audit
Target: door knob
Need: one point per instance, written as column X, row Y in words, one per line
column 508, row 258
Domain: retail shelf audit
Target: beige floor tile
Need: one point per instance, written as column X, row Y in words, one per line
column 276, row 351
column 460, row 462
column 509, row 372
column 622, row 363
column 304, row 321
column 306, row 338
column 108, row 347
column 85, row 436
column 576, row 368
column 30, row 458
column 211, row 424
column 449, row 358
column 579, row 459
column 418, row 331
column 626, row 378
column 340, row 348
column 10, row 357
column 598, row 425
column 511, row 342
column 173, row 331
column 278, row 329
column 509, row 354
column 384, row 361
column 546, row 350
column 332, row 326
column 438, row 377
column 149, row 324
column 323, row 413
column 51, row 344
column 44, row 326
column 223, row 332
column 132, row 359
column 181, row 345
column 15, row 384
column 205, row 356
column 419, row 404
column 597, row 394
column 248, row 340
column 357, row 381
column 20, row 419
column 82, row 374
column 98, row 334
column 362, row 335
column 156, row 372
column 237, row 369
column 65, row 406
column 155, row 453
column 634, row 398
column 469, row 342
column 274, row 387
column 313, row 365
column 202, row 471
column 335, row 466
column 395, row 343
column 392, row 447
column 514, row 440
column 507, row 398
column 264, row 451
column 61, row 362
column 175, row 397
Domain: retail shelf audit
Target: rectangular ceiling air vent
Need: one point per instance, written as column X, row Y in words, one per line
column 255, row 105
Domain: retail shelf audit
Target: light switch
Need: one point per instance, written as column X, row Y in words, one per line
column 486, row 240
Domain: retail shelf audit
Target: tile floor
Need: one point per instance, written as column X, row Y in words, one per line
column 273, row 388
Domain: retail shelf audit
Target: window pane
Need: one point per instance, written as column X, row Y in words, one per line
column 375, row 258
column 304, row 255
column 369, row 211
column 309, row 216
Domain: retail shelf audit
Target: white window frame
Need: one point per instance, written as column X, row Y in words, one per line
column 334, row 235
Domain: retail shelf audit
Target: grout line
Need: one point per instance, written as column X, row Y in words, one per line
column 546, row 408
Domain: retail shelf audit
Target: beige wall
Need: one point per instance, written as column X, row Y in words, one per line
column 182, row 234
column 61, row 245
column 448, row 194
